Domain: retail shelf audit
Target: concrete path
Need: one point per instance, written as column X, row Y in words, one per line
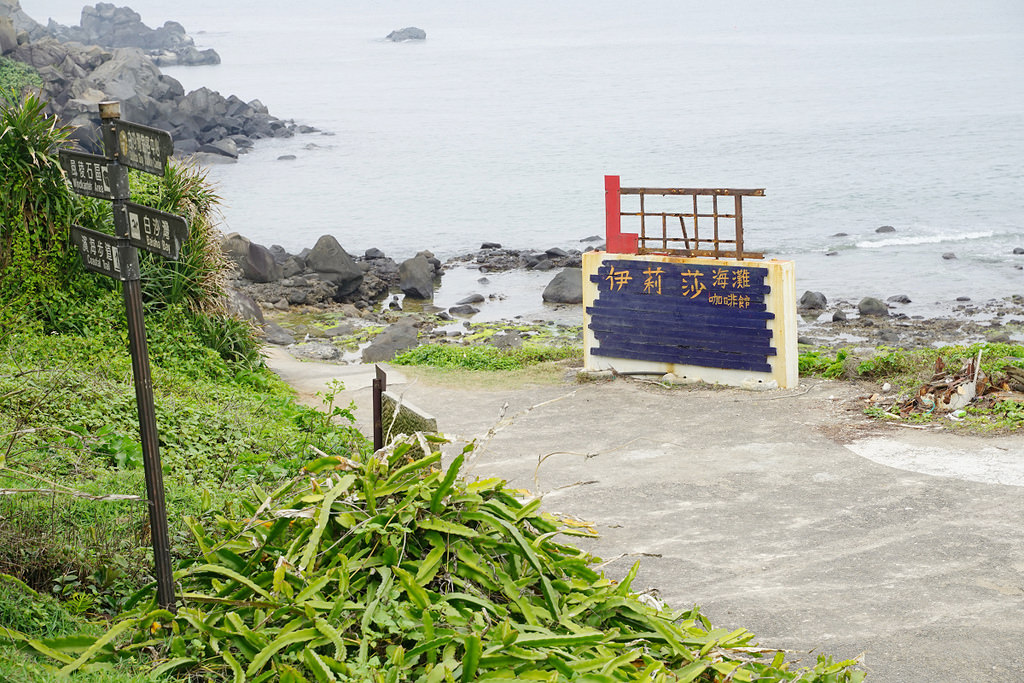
column 784, row 512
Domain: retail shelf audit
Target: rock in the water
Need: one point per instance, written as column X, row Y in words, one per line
column 899, row 299
column 471, row 299
column 255, row 261
column 813, row 301
column 841, row 234
column 949, row 256
column 408, row 33
column 565, row 288
column 374, row 253
column 1018, row 250
column 886, row 228
column 275, row 334
column 397, row 338
column 464, row 309
column 555, row 252
column 871, row 306
column 416, row 277
column 335, row 265
column 963, row 298
column 838, row 316
column 544, row 265
column 490, row 245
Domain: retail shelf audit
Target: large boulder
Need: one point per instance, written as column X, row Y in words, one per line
column 242, row 305
column 8, row 35
column 565, row 288
column 254, row 260
column 812, row 301
column 869, row 306
column 397, row 338
column 416, row 277
column 334, row 264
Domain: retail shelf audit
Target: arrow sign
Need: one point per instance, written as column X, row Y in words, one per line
column 101, row 254
column 141, row 147
column 156, row 231
column 90, row 174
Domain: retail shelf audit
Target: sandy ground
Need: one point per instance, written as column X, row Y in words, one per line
column 784, row 512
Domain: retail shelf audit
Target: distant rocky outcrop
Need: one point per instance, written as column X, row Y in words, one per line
column 114, row 56
column 109, row 26
column 408, row 33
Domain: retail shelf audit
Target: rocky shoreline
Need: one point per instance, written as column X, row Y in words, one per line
column 383, row 307
column 113, row 55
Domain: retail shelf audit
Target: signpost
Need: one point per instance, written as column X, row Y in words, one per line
column 129, row 145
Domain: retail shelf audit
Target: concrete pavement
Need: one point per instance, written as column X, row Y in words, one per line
column 784, row 512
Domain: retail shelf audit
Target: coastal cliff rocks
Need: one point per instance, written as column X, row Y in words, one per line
column 109, row 26
column 8, row 35
column 254, row 260
column 114, row 56
column 331, row 263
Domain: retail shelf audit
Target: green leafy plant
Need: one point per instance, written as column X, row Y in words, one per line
column 18, row 77
column 392, row 569
column 820, row 364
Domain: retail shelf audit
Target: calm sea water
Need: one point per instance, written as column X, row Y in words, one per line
column 502, row 124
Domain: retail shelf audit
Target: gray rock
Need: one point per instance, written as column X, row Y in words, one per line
column 592, row 238
column 287, row 157
column 1018, row 250
column 464, row 309
column 510, row 339
column 397, row 338
column 544, row 265
column 555, row 252
column 889, row 336
column 340, row 330
column 416, row 277
column 335, row 265
column 275, row 334
column 949, row 256
column 242, row 305
column 483, row 281
column 471, row 299
column 374, row 253
column 839, row 316
column 841, row 234
column 490, row 245
column 282, row 305
column 255, row 261
column 871, row 306
column 812, row 301
column 886, row 228
column 225, row 147
column 317, row 351
column 899, row 299
column 8, row 35
column 408, row 33
column 565, row 288
column 963, row 298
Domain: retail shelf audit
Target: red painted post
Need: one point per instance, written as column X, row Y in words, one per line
column 615, row 241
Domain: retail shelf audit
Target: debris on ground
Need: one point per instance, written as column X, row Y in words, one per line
column 948, row 391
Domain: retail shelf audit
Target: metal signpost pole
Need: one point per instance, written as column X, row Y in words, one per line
column 132, row 292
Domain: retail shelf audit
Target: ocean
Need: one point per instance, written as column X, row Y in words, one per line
column 502, row 124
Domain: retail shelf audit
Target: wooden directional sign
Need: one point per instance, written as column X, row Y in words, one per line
column 90, row 175
column 141, row 147
column 155, row 231
column 101, row 254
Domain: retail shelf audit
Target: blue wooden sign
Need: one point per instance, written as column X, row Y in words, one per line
column 691, row 314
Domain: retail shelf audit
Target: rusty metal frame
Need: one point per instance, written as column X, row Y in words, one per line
column 719, row 245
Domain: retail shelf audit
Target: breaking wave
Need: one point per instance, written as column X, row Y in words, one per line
column 925, row 239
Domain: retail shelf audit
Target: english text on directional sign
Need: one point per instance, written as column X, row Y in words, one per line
column 101, row 254
column 141, row 147
column 155, row 231
column 89, row 174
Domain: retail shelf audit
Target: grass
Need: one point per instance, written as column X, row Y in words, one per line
column 482, row 357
